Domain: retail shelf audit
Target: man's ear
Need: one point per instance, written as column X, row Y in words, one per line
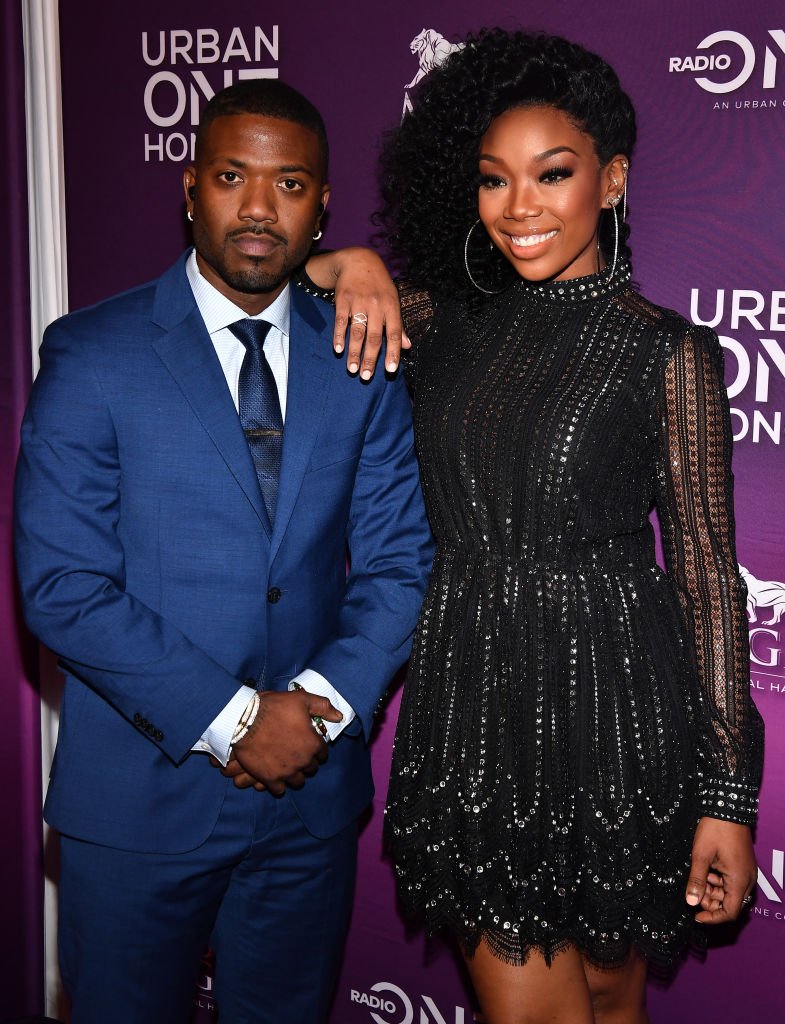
column 189, row 189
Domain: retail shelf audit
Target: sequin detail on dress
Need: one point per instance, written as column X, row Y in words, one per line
column 570, row 709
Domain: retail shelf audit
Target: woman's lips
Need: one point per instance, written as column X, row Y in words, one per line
column 529, row 241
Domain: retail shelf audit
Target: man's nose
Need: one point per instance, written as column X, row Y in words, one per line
column 258, row 202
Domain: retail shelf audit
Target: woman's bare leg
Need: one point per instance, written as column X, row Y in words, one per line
column 619, row 996
column 532, row 993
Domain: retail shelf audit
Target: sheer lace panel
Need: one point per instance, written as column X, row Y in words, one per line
column 696, row 514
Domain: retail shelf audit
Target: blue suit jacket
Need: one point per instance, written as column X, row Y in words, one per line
column 145, row 558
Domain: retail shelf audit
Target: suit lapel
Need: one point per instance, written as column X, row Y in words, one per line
column 188, row 353
column 306, row 394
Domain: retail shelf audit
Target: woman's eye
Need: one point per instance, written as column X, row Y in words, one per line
column 491, row 181
column 555, row 174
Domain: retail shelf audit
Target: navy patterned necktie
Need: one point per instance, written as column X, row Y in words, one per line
column 260, row 409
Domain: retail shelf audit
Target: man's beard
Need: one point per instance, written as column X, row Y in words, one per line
column 254, row 279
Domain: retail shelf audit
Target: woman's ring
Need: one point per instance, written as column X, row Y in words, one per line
column 360, row 318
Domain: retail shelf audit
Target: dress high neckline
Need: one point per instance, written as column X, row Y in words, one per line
column 582, row 289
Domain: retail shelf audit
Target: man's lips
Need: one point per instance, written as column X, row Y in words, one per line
column 253, row 243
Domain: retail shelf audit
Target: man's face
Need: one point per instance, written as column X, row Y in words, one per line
column 258, row 197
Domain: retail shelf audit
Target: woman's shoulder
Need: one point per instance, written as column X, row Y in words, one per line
column 668, row 329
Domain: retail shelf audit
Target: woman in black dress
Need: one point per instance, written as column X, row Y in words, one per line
column 577, row 758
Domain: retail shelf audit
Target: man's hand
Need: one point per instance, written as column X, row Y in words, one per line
column 281, row 748
column 366, row 304
column 723, row 871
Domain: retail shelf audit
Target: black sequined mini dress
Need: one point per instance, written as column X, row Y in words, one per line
column 571, row 710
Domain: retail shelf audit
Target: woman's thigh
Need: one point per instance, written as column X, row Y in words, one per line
column 534, row 992
column 619, row 994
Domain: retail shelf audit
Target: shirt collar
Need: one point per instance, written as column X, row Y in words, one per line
column 219, row 312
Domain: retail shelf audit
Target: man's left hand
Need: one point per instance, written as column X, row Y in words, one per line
column 234, row 770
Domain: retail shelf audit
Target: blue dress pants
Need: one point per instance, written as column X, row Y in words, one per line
column 272, row 900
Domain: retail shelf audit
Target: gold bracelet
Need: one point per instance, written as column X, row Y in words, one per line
column 247, row 720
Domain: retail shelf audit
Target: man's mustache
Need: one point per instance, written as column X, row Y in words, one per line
column 257, row 233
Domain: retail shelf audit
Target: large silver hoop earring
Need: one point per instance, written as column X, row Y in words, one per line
column 317, row 235
column 190, row 216
column 479, row 287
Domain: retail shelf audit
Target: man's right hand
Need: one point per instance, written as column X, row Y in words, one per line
column 282, row 748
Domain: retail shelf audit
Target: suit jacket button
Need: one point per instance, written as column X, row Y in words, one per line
column 250, row 682
column 273, row 595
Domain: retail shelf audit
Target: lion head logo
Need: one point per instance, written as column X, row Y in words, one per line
column 763, row 594
column 432, row 49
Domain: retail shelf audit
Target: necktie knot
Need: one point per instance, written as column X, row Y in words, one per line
column 252, row 333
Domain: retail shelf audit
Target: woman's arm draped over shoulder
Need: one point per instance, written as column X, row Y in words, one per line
column 695, row 505
column 357, row 282
column 366, row 304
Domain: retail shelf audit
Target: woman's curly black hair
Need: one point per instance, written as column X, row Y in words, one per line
column 429, row 175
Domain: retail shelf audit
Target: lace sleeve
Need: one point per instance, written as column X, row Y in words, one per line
column 417, row 315
column 695, row 506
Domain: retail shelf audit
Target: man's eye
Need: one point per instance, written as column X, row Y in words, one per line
column 230, row 177
column 290, row 184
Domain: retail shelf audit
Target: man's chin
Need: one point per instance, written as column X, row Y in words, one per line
column 256, row 281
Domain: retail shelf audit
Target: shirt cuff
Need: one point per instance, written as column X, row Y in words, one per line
column 314, row 682
column 217, row 737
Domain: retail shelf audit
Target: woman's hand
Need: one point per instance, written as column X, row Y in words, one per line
column 723, row 871
column 366, row 303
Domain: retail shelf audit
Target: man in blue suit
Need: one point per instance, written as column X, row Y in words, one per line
column 194, row 463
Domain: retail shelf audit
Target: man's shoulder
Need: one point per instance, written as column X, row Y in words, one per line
column 128, row 311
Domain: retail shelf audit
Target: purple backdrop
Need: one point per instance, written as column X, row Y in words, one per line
column 708, row 81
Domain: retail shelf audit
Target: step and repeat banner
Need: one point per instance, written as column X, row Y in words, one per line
column 707, row 216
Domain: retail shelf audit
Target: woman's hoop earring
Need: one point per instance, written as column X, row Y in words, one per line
column 317, row 235
column 479, row 287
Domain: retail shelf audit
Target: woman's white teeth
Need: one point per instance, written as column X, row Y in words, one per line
column 525, row 240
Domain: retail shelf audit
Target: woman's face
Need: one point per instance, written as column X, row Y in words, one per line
column 541, row 191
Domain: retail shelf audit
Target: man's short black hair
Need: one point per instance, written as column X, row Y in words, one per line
column 266, row 97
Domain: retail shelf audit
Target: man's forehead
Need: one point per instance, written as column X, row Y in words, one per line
column 257, row 136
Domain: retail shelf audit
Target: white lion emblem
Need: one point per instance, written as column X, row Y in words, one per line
column 432, row 49
column 763, row 594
